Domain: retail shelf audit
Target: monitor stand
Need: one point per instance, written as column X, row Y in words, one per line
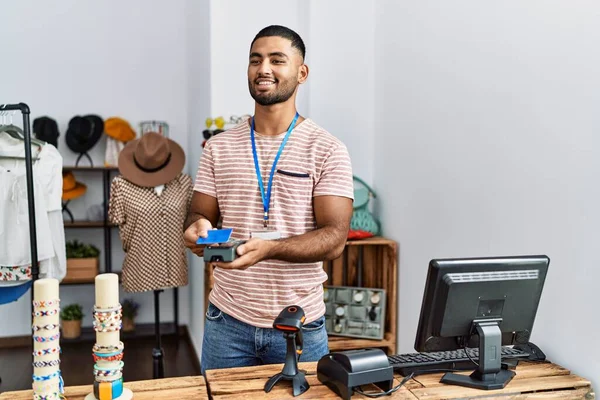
column 489, row 375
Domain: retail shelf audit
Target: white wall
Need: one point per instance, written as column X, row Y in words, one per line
column 109, row 58
column 233, row 25
column 487, row 144
column 341, row 55
column 199, row 82
column 339, row 52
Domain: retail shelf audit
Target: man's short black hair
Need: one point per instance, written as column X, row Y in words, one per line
column 283, row 32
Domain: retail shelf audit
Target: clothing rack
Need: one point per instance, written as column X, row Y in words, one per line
column 24, row 108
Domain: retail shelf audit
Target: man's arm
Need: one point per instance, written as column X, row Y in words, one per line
column 202, row 206
column 202, row 216
column 327, row 242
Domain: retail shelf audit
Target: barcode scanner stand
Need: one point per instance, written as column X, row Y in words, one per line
column 290, row 322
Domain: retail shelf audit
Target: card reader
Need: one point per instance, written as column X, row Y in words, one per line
column 225, row 252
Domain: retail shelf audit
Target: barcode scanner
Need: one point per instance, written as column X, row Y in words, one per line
column 290, row 321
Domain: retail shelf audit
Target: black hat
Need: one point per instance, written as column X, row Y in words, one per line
column 84, row 132
column 46, row 129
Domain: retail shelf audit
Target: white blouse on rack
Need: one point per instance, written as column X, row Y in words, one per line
column 15, row 249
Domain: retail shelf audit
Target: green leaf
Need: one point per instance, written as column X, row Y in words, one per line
column 72, row 312
column 75, row 249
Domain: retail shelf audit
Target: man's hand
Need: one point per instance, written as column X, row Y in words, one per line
column 250, row 253
column 202, row 216
column 198, row 229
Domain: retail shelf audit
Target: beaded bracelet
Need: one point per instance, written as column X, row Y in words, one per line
column 44, row 339
column 41, row 384
column 48, row 327
column 107, row 327
column 45, row 352
column 46, row 303
column 116, row 357
column 98, row 348
column 107, row 373
column 108, row 317
column 41, row 387
column 45, row 313
column 100, row 310
column 38, row 378
column 51, row 396
column 105, row 311
column 100, row 378
column 114, row 353
column 43, row 364
column 120, row 365
column 107, row 321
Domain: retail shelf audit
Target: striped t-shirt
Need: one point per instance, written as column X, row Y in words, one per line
column 313, row 163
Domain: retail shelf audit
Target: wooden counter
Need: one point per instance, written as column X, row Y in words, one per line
column 533, row 381
column 184, row 388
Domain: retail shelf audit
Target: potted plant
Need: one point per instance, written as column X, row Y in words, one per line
column 130, row 311
column 82, row 262
column 71, row 317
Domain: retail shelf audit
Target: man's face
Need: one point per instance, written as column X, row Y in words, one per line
column 275, row 70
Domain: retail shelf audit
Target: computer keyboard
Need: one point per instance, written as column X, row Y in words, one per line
column 406, row 364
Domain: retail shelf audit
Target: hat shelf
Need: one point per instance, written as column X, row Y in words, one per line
column 105, row 224
column 88, row 168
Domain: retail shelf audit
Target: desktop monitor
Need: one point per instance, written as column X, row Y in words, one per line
column 480, row 302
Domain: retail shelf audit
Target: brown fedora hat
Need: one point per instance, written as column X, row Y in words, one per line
column 151, row 160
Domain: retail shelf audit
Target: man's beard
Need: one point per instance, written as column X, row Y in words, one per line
column 282, row 94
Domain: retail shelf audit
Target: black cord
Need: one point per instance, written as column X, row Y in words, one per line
column 419, row 382
column 381, row 394
column 436, row 371
column 468, row 355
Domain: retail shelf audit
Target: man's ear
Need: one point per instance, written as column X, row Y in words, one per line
column 302, row 73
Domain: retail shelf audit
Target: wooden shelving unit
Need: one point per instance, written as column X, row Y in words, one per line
column 84, row 281
column 379, row 270
column 106, row 225
column 87, row 224
column 102, row 168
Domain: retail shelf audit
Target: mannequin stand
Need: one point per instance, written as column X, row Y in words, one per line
column 290, row 370
column 158, row 366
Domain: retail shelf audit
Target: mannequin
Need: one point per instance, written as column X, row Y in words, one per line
column 149, row 202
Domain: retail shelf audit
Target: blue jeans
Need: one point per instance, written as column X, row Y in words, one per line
column 229, row 342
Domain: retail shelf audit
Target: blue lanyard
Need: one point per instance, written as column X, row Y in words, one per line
column 266, row 197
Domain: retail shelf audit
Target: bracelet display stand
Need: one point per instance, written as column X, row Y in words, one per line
column 47, row 379
column 108, row 350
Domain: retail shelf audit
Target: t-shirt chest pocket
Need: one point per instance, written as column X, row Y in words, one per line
column 293, row 188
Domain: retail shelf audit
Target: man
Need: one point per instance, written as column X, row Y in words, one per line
column 287, row 189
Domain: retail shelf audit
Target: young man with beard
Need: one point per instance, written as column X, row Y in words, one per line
column 284, row 184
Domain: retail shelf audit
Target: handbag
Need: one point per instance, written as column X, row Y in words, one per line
column 363, row 223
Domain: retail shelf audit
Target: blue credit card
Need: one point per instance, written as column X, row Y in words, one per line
column 215, row 236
